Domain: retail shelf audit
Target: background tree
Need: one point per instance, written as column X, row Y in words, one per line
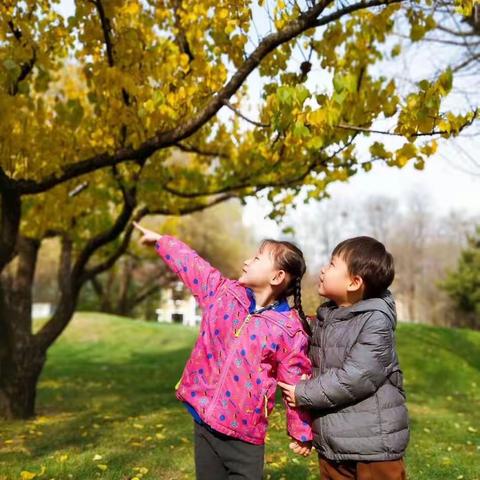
column 463, row 284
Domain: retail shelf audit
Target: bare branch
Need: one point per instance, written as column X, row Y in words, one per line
column 110, row 261
column 240, row 114
column 466, row 62
column 457, row 33
column 143, row 295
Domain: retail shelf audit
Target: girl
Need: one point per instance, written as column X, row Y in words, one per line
column 249, row 339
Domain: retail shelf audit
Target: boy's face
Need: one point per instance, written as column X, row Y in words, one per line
column 259, row 271
column 336, row 283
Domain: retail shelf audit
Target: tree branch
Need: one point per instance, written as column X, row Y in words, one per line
column 455, row 32
column 74, row 281
column 355, row 128
column 181, row 38
column 240, row 114
column 250, row 181
column 466, row 62
column 26, row 67
column 143, row 295
column 107, row 36
column 104, row 238
column 199, row 151
column 106, row 29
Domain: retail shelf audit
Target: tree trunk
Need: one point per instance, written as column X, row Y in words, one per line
column 21, row 361
column 20, row 370
column 123, row 305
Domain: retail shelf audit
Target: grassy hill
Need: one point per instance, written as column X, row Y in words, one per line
column 106, row 407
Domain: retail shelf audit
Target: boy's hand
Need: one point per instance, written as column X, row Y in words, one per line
column 288, row 393
column 301, row 448
column 149, row 237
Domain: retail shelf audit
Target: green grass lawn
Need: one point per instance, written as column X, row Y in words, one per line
column 106, row 407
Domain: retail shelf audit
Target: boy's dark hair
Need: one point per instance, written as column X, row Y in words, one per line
column 369, row 259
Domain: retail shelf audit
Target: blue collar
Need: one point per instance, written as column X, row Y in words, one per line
column 282, row 306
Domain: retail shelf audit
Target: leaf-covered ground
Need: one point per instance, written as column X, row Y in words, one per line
column 106, row 407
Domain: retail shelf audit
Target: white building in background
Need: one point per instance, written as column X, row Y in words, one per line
column 42, row 310
column 178, row 310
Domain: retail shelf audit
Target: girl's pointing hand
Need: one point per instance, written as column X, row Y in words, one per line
column 149, row 237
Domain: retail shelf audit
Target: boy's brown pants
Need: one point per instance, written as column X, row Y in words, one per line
column 351, row 470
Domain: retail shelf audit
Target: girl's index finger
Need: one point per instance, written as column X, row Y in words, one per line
column 139, row 227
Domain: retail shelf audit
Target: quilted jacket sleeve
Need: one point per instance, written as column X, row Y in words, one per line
column 364, row 370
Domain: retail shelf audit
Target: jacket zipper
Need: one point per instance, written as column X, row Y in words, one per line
column 322, row 369
column 227, row 363
column 238, row 331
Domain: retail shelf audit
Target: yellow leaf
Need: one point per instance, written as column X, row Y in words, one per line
column 102, row 467
column 26, row 475
column 132, row 8
column 223, row 13
column 97, row 457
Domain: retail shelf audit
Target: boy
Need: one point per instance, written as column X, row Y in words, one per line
column 360, row 420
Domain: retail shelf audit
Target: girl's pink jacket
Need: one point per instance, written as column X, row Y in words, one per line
column 231, row 376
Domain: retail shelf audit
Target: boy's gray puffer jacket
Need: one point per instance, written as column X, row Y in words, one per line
column 356, row 391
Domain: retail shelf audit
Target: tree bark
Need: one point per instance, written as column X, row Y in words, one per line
column 20, row 368
column 21, row 361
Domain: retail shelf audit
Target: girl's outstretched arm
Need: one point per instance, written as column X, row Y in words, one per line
column 196, row 273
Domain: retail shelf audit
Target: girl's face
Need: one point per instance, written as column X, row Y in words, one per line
column 335, row 280
column 259, row 271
